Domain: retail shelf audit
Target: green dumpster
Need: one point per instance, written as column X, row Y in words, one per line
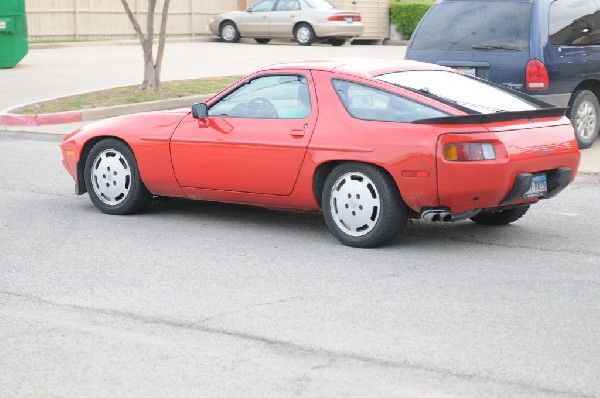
column 13, row 32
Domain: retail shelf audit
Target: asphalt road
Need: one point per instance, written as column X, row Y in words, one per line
column 204, row 299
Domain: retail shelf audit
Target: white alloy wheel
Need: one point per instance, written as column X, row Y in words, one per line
column 355, row 204
column 111, row 177
column 586, row 119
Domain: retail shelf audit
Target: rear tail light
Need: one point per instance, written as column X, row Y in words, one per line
column 536, row 75
column 344, row 18
column 468, row 152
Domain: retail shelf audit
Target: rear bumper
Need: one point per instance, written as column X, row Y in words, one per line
column 558, row 180
column 558, row 100
column 339, row 29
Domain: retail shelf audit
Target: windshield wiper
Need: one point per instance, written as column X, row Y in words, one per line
column 493, row 47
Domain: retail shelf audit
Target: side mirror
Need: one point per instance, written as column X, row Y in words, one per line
column 200, row 111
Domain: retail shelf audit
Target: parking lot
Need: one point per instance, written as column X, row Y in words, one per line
column 196, row 298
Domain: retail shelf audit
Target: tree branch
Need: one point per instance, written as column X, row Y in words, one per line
column 134, row 22
column 162, row 37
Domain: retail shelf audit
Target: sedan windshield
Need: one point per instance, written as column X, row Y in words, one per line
column 319, row 4
column 465, row 91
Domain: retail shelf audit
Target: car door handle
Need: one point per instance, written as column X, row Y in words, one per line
column 297, row 133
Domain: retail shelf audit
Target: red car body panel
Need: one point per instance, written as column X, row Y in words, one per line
column 273, row 162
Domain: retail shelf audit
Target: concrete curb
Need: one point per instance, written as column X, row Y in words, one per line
column 84, row 115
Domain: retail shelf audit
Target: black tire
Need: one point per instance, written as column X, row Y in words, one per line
column 262, row 41
column 229, row 32
column 501, row 217
column 380, row 208
column 584, row 113
column 112, row 179
column 337, row 42
column 304, row 34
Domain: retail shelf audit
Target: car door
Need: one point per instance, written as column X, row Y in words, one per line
column 255, row 22
column 284, row 17
column 254, row 139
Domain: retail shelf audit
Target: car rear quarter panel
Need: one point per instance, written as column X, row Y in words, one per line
column 520, row 148
column 400, row 148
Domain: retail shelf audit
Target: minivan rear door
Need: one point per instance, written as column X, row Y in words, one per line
column 488, row 39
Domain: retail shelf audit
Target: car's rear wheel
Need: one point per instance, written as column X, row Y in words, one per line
column 229, row 32
column 585, row 116
column 362, row 205
column 304, row 34
column 337, row 42
column 262, row 41
column 112, row 179
column 501, row 217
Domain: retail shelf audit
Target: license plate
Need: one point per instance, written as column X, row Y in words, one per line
column 468, row 71
column 349, row 19
column 539, row 187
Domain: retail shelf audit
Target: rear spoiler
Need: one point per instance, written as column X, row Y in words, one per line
column 495, row 117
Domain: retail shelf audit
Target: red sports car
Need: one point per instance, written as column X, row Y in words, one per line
column 371, row 143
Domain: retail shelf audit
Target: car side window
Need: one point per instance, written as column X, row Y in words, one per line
column 263, row 5
column 287, row 5
column 574, row 23
column 370, row 103
column 267, row 97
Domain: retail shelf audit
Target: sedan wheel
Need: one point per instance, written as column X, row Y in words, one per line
column 112, row 179
column 362, row 205
column 584, row 114
column 229, row 33
column 304, row 34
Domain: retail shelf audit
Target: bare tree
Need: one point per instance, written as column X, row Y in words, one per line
column 151, row 67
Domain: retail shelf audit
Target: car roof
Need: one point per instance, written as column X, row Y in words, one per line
column 360, row 67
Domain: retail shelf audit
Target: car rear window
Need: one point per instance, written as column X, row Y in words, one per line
column 461, row 90
column 475, row 25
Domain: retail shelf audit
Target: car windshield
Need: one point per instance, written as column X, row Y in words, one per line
column 475, row 25
column 319, row 4
column 465, row 91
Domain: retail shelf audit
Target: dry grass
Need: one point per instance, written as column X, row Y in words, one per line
column 132, row 95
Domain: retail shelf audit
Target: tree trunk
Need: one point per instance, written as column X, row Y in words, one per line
column 152, row 68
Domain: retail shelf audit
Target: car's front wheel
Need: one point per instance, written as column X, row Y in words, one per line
column 229, row 32
column 501, row 217
column 362, row 205
column 304, row 34
column 584, row 114
column 112, row 179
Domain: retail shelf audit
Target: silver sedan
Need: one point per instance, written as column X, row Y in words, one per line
column 303, row 20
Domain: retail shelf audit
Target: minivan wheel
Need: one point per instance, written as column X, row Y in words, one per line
column 584, row 114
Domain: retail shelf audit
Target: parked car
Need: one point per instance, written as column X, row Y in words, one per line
column 303, row 20
column 546, row 48
column 370, row 143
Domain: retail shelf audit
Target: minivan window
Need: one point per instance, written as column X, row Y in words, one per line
column 574, row 23
column 465, row 91
column 480, row 25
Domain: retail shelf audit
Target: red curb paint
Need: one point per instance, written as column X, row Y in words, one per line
column 13, row 119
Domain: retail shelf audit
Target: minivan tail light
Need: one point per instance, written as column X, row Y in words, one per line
column 536, row 75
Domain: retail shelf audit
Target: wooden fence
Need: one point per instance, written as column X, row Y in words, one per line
column 106, row 19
